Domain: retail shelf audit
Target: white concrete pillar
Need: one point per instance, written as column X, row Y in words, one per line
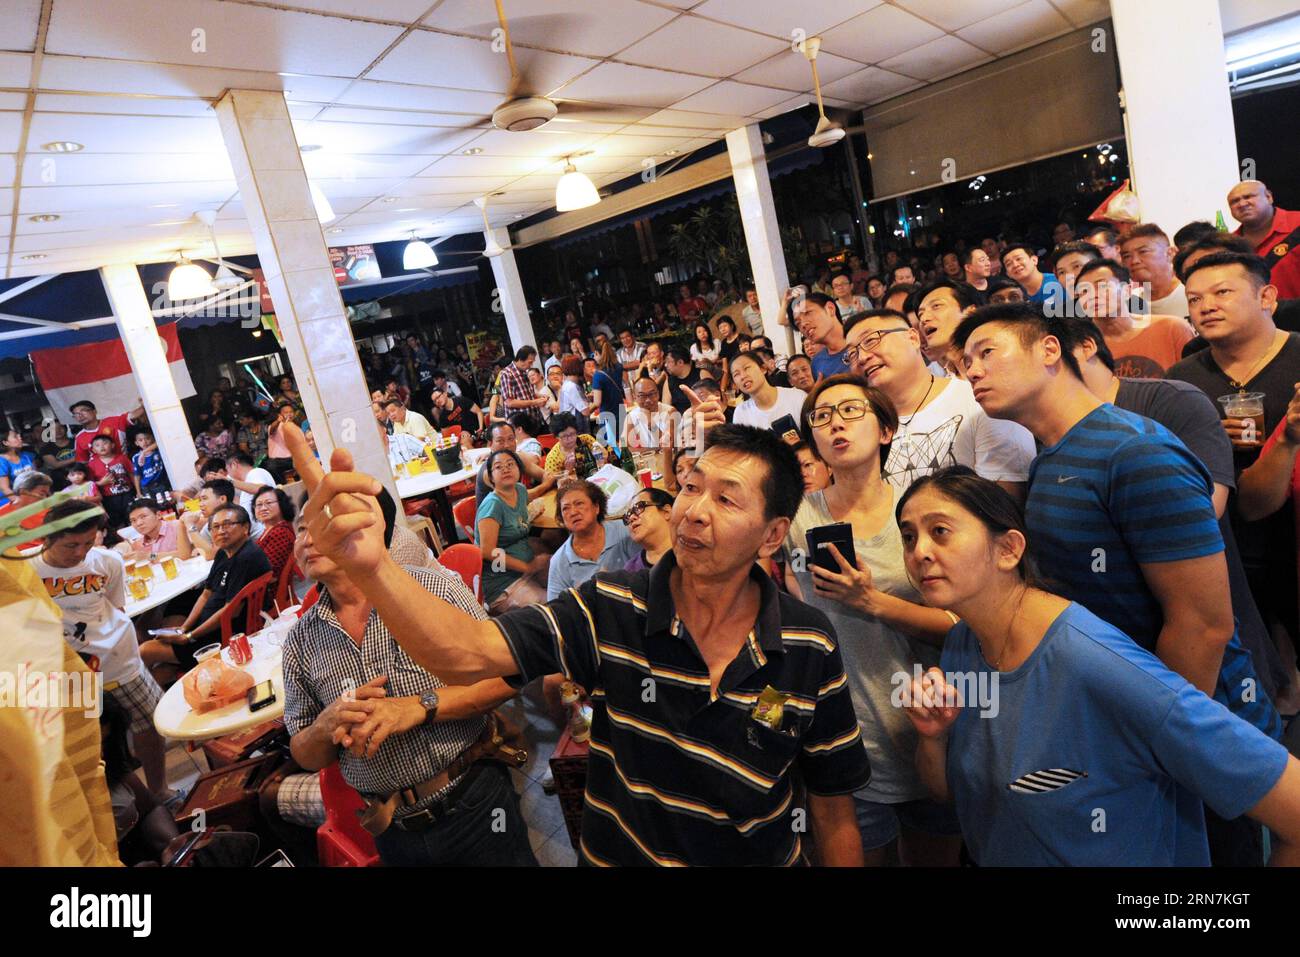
column 762, row 231
column 148, row 358
column 510, row 292
column 295, row 258
column 1170, row 56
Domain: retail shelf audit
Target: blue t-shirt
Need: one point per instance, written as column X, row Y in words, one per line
column 826, row 364
column 1097, row 754
column 611, row 393
column 1118, row 491
column 11, row 470
column 149, row 466
column 1050, row 289
column 569, row 570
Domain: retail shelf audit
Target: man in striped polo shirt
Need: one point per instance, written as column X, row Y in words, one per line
column 709, row 687
column 1120, row 514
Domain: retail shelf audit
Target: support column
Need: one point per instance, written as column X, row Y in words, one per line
column 510, row 291
column 148, row 359
column 762, row 232
column 1181, row 170
column 295, row 259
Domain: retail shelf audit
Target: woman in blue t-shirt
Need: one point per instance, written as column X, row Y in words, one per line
column 606, row 402
column 13, row 463
column 513, row 575
column 1059, row 738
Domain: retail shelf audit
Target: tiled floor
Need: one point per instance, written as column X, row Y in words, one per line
column 546, row 832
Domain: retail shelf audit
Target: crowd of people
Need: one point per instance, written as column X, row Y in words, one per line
column 997, row 567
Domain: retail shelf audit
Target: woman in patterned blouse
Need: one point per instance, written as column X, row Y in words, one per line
column 273, row 508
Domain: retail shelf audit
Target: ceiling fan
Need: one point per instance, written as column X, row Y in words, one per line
column 524, row 109
column 828, row 132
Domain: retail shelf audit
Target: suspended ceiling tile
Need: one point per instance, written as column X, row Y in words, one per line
column 21, row 19
column 233, row 35
column 871, row 86
column 355, row 188
column 366, row 138
column 7, row 167
column 1083, row 13
column 576, row 26
column 476, row 65
column 634, row 85
column 129, row 134
column 640, row 146
column 781, row 17
column 1019, row 27
column 462, row 165
column 326, row 165
column 409, row 96
column 13, row 101
column 954, row 16
column 434, row 186
column 127, row 105
column 702, row 46
column 60, row 199
column 789, row 70
column 600, row 113
column 352, row 114
column 536, row 143
column 405, row 11
column 11, row 128
column 104, row 219
column 82, row 169
column 735, row 98
column 15, row 70
column 90, row 75
column 695, row 120
column 878, row 34
column 938, row 58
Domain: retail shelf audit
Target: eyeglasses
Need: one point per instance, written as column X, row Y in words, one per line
column 634, row 511
column 867, row 343
column 217, row 526
column 850, row 410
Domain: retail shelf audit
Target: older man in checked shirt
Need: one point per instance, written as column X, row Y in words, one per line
column 353, row 695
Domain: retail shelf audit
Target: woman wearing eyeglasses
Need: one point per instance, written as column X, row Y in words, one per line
column 593, row 544
column 884, row 630
column 647, row 522
column 765, row 404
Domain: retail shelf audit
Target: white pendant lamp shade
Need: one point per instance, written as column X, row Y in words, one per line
column 324, row 211
column 574, row 191
column 188, row 281
column 418, row 255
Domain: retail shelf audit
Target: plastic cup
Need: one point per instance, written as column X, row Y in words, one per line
column 207, row 651
column 1246, row 405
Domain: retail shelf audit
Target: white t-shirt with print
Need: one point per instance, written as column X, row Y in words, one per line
column 954, row 430
column 788, row 402
column 257, row 477
column 92, row 597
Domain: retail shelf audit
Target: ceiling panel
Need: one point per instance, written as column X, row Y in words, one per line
column 130, row 134
column 1084, row 12
column 327, row 165
column 82, row 169
column 1021, row 26
column 21, row 18
column 702, row 46
column 129, row 105
column 15, row 69
column 634, row 85
column 578, row 26
column 11, row 127
column 781, row 17
column 871, row 86
column 432, row 186
column 736, row 97
column 477, row 66
column 954, row 16
column 485, row 165
column 695, row 121
column 363, row 138
column 936, row 59
column 356, row 114
column 406, row 96
column 878, row 34
column 407, row 11
column 119, row 76
column 13, row 101
column 235, row 36
column 61, row 199
column 789, row 70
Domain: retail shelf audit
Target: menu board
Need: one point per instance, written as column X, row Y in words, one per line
column 354, row 264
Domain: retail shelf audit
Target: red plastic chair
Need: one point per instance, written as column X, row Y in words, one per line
column 464, row 511
column 547, row 442
column 309, row 599
column 452, row 432
column 284, row 594
column 341, row 841
column 466, row 561
column 253, row 597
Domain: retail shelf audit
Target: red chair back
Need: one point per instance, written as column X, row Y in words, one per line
column 452, row 432
column 253, row 597
column 309, row 599
column 341, row 841
column 284, row 595
column 464, row 511
column 466, row 561
column 547, row 441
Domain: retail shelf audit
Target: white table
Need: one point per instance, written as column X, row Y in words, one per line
column 175, row 719
column 431, row 481
column 190, row 573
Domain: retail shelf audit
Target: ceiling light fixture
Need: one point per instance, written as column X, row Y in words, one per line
column 33, row 257
column 828, row 132
column 389, row 199
column 189, row 281
column 491, row 248
column 574, row 190
column 334, row 230
column 62, row 146
column 671, row 152
column 324, row 211
column 473, row 151
column 225, row 278
column 43, row 218
column 309, row 148
column 418, row 254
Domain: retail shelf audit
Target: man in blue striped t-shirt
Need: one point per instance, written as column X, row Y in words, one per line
column 1120, row 514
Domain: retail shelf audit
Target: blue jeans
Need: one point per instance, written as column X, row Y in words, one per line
column 879, row 823
column 483, row 827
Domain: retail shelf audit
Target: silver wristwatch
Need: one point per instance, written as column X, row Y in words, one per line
column 429, row 702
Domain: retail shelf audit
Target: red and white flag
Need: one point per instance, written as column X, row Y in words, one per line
column 100, row 372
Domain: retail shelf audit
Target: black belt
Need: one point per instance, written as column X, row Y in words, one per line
column 442, row 807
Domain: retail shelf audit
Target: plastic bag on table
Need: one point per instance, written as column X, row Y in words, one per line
column 214, row 684
column 619, row 488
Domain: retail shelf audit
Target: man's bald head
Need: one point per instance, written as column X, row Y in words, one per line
column 1251, row 204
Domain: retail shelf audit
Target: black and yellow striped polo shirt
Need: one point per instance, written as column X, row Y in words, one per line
column 678, row 774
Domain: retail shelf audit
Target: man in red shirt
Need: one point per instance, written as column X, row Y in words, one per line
column 1274, row 232
column 92, row 425
column 689, row 307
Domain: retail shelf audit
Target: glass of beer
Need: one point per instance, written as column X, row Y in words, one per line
column 1247, row 406
column 191, row 505
column 139, row 589
column 169, row 567
column 415, row 466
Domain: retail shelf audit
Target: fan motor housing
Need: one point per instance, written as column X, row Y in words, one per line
column 528, row 113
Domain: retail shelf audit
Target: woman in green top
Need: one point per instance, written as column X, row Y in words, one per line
column 513, row 574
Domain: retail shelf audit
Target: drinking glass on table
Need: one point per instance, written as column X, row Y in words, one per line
column 169, row 567
column 139, row 588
